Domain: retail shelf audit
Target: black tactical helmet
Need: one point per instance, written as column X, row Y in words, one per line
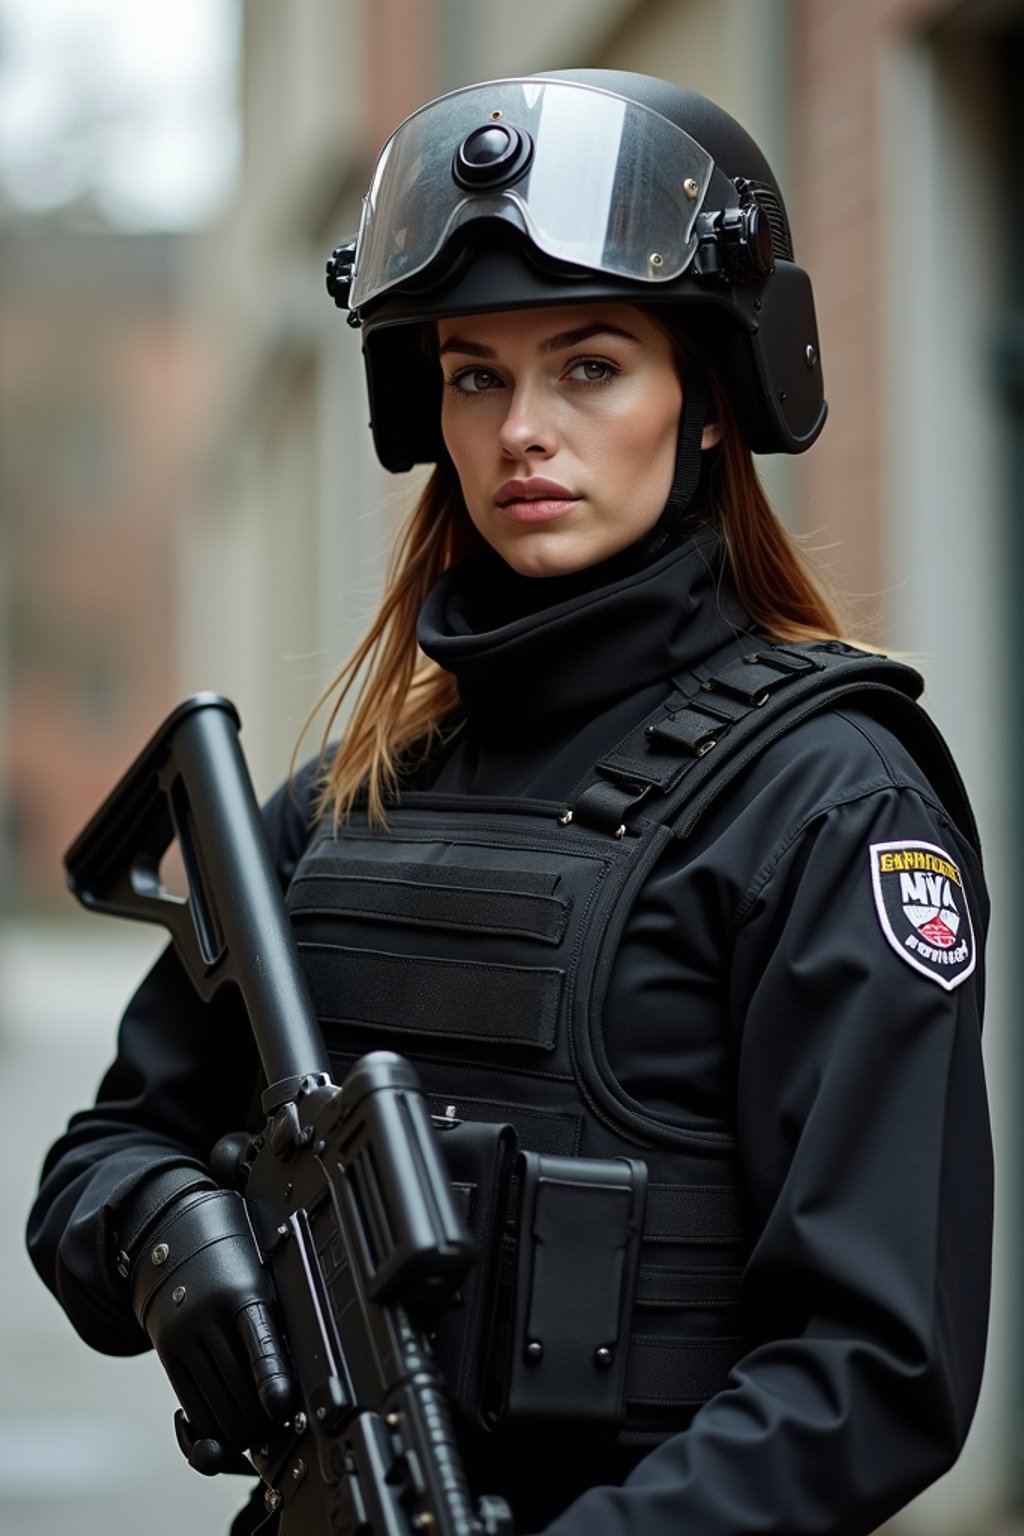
column 573, row 186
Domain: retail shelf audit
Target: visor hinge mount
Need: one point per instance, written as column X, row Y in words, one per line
column 734, row 245
column 340, row 264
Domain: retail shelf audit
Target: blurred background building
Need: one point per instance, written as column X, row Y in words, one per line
column 188, row 499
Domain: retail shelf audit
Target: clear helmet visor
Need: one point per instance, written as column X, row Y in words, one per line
column 589, row 177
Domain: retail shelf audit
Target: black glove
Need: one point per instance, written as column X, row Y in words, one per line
column 200, row 1292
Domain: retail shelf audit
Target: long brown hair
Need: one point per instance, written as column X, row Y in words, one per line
column 785, row 595
column 400, row 698
column 402, row 701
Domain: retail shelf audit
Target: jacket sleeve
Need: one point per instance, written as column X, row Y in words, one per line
column 865, row 1155
column 185, row 1074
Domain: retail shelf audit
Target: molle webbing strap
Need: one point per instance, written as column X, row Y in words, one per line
column 679, row 1372
column 706, row 1214
column 455, row 999
column 445, row 896
column 663, row 1286
column 669, row 748
column 699, row 1215
column 671, row 766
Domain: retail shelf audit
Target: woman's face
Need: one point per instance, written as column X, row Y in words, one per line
column 562, row 426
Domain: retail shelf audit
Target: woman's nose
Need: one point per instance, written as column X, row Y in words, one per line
column 528, row 427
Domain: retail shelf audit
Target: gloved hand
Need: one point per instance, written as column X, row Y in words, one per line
column 200, row 1292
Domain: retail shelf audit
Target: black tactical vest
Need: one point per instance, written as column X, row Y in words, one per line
column 476, row 937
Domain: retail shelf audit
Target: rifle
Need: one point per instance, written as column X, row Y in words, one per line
column 349, row 1199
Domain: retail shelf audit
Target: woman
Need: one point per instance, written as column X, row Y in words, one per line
column 632, row 855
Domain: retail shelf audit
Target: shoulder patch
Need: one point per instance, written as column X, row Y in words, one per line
column 922, row 907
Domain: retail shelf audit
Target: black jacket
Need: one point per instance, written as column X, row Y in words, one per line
column 757, row 993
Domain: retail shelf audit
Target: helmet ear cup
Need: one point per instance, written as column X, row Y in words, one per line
column 405, row 391
column 788, row 359
column 772, row 372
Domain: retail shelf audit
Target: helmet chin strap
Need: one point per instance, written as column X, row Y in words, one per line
column 689, row 460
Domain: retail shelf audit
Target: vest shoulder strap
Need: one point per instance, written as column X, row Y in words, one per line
column 674, row 764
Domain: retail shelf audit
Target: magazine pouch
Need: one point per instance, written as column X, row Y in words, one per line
column 576, row 1258
column 480, row 1159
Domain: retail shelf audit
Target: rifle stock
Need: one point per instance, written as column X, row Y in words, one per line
column 349, row 1199
column 190, row 783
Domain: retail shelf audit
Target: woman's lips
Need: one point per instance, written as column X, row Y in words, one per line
column 534, row 501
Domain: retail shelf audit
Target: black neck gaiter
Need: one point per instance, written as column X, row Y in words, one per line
column 537, row 655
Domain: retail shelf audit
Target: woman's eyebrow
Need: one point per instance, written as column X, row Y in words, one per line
column 471, row 348
column 556, row 343
column 584, row 333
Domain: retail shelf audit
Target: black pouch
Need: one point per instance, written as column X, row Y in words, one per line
column 480, row 1159
column 575, row 1266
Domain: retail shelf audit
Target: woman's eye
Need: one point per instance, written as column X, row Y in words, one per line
column 474, row 381
column 593, row 370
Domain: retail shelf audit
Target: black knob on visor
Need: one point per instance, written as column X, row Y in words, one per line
column 491, row 156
